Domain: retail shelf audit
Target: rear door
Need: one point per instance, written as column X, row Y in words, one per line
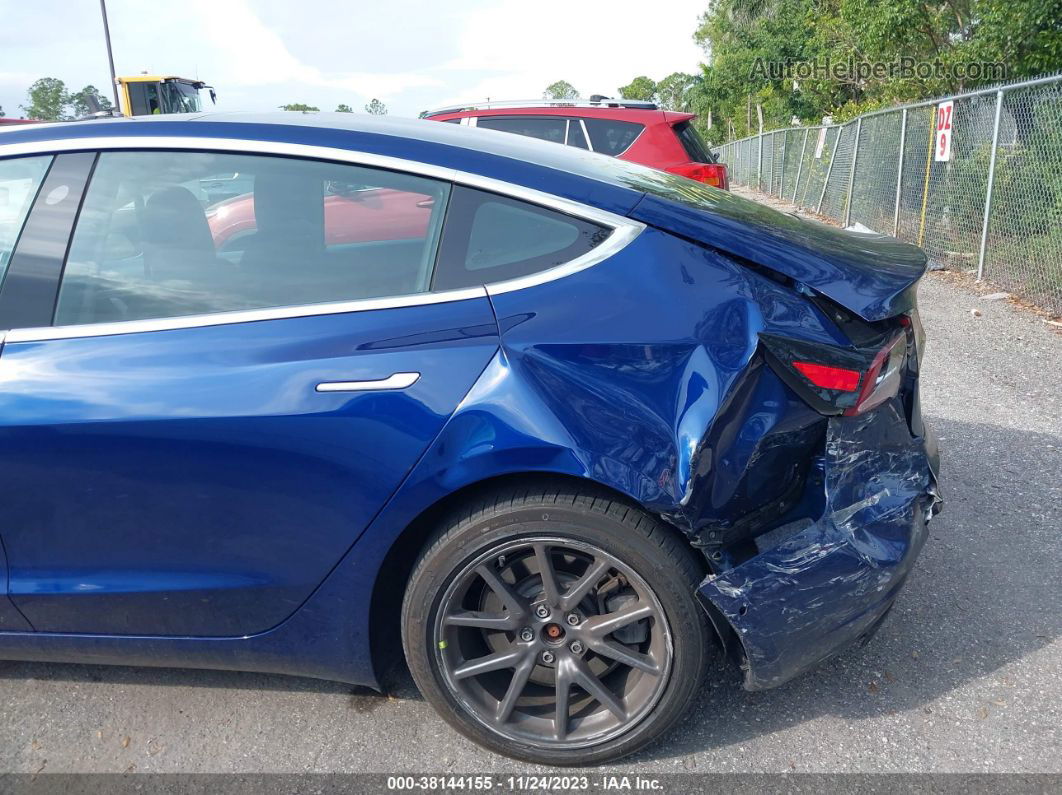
column 189, row 442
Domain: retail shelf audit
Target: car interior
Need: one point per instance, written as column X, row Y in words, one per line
column 149, row 240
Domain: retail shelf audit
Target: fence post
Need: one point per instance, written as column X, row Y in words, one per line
column 782, row 166
column 851, row 175
column 829, row 170
column 770, row 171
column 988, row 190
column 781, row 176
column 800, row 163
column 759, row 160
column 899, row 175
column 774, row 157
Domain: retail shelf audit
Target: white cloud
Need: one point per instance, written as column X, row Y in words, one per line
column 597, row 47
column 251, row 54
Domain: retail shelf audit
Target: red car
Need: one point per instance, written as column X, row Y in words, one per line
column 635, row 131
column 357, row 216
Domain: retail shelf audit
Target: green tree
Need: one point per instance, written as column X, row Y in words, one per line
column 561, row 90
column 2, row 114
column 47, row 100
column 80, row 103
column 739, row 35
column 299, row 106
column 673, row 92
column 1026, row 35
column 741, row 38
column 376, row 108
column 343, row 108
column 640, row 88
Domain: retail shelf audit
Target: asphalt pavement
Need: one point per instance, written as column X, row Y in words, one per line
column 964, row 676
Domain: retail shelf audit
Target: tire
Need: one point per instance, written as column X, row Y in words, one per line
column 497, row 628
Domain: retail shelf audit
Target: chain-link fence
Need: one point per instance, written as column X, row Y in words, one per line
column 975, row 179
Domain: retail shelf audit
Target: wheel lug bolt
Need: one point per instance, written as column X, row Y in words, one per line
column 573, row 619
column 542, row 611
column 547, row 657
column 527, row 634
column 576, row 647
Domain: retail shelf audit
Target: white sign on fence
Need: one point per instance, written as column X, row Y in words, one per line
column 944, row 131
column 819, row 144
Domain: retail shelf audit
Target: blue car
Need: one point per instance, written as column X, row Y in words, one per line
column 559, row 427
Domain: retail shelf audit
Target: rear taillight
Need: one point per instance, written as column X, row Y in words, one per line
column 839, row 380
column 827, row 377
column 882, row 379
column 713, row 174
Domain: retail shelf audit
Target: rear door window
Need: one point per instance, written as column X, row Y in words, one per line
column 490, row 238
column 20, row 179
column 548, row 128
column 612, row 137
column 157, row 237
column 692, row 142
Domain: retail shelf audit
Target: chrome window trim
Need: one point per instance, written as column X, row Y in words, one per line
column 624, row 229
column 240, row 316
column 586, row 135
column 620, row 238
column 568, row 133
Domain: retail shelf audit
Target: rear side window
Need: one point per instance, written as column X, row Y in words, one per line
column 612, row 137
column 490, row 238
column 20, row 179
column 692, row 142
column 166, row 234
column 548, row 128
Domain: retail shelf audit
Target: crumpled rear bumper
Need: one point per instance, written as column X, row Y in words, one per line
column 829, row 585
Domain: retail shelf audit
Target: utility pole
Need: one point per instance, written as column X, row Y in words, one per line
column 110, row 56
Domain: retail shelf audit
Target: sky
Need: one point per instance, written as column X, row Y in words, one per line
column 411, row 54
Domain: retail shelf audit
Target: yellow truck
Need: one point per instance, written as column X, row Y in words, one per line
column 144, row 95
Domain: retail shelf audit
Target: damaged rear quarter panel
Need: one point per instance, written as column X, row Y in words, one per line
column 649, row 363
column 819, row 590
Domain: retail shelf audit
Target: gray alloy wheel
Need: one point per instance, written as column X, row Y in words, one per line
column 556, row 627
column 553, row 642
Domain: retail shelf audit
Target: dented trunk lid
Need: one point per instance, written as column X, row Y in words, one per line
column 873, row 275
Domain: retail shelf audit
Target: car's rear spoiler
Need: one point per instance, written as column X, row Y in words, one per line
column 873, row 275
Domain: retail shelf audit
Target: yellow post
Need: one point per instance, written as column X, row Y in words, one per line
column 925, row 184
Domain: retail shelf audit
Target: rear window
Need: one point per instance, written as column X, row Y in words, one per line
column 490, row 238
column 612, row 137
column 693, row 143
column 548, row 128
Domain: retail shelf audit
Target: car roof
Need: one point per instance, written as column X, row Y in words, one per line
column 594, row 179
column 638, row 115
